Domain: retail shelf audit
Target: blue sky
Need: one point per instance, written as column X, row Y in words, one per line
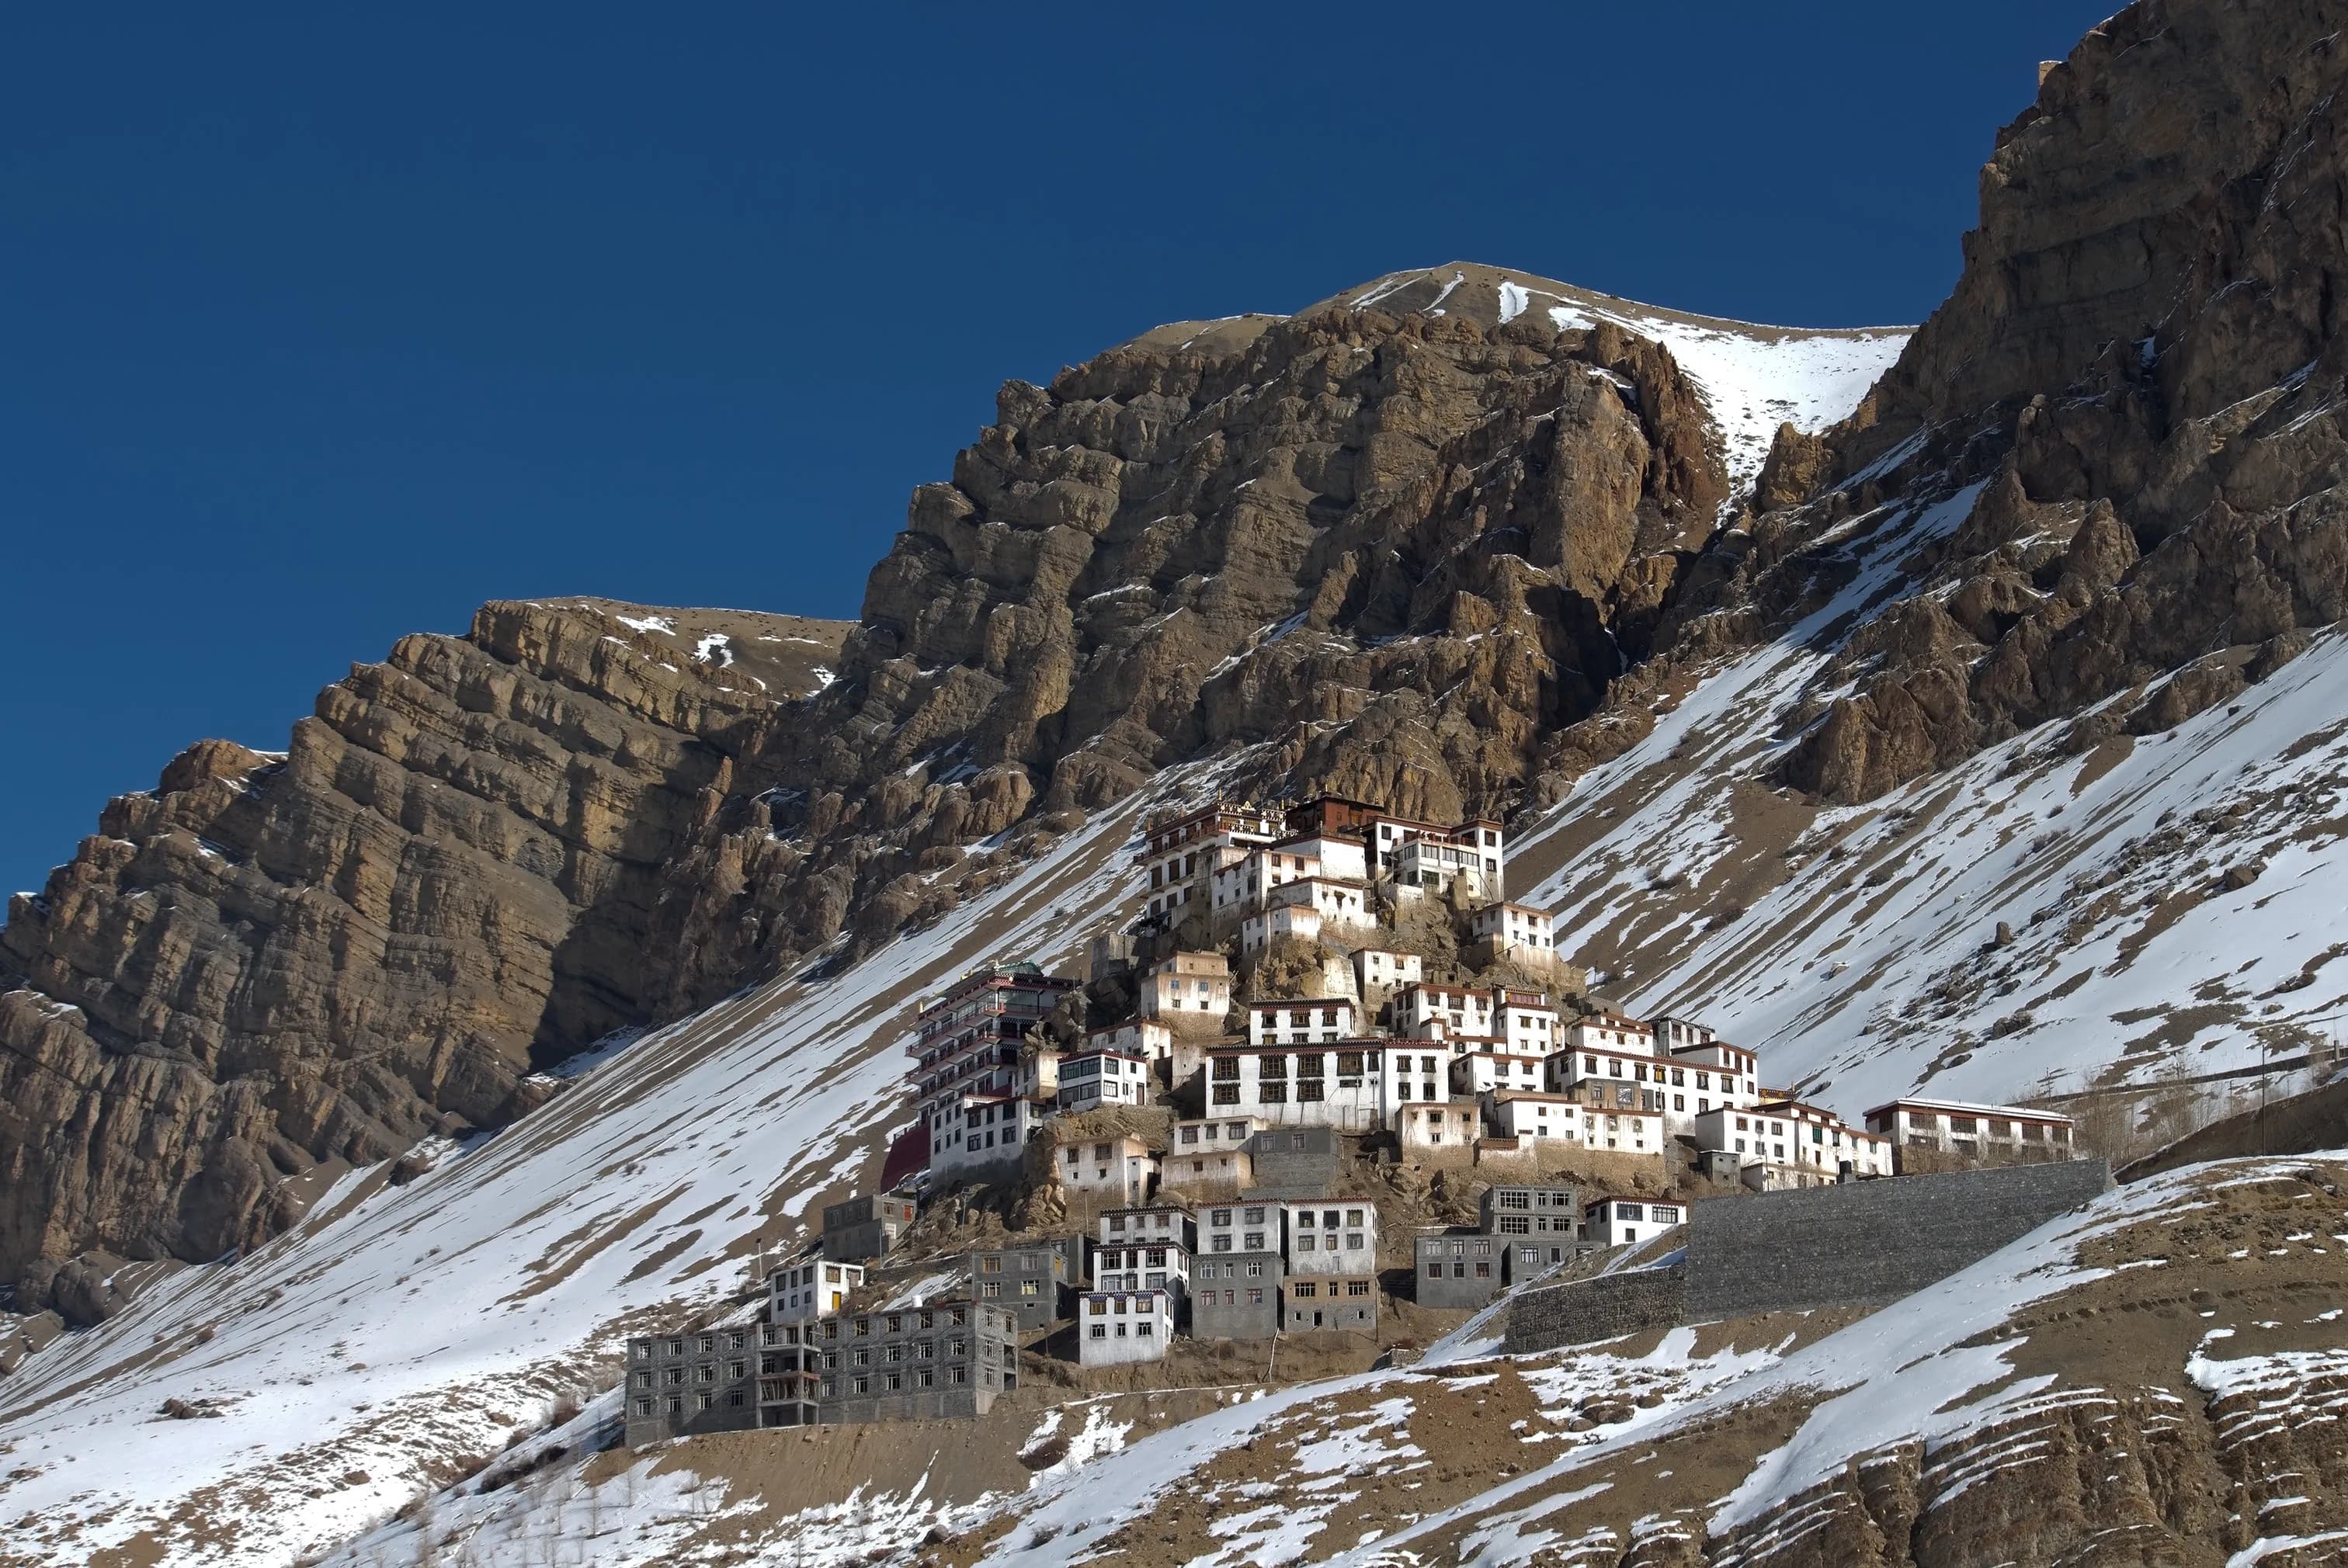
column 322, row 323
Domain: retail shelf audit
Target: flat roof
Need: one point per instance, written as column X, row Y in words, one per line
column 1970, row 1108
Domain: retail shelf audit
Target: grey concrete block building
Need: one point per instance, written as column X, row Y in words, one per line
column 1032, row 1283
column 950, row 1359
column 681, row 1385
column 1541, row 1225
column 1329, row 1303
column 1292, row 1161
column 1235, row 1296
column 1459, row 1269
column 865, row 1227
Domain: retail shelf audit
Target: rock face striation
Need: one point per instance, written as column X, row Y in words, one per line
column 2141, row 366
column 272, row 962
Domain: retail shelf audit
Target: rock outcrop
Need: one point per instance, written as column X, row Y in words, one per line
column 447, row 879
column 2141, row 367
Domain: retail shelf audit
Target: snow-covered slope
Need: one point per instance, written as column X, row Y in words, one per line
column 2170, row 902
column 1977, row 1405
column 400, row 1331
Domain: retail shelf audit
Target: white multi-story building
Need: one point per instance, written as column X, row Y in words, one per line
column 1570, row 1119
column 803, row 1292
column 1972, row 1131
column 1286, row 923
column 1619, row 1222
column 1117, row 1326
column 1505, row 932
column 1189, row 987
column 1344, row 906
column 1312, row 1020
column 1525, row 1021
column 1354, row 1085
column 1380, row 971
column 1120, row 1170
column 987, row 1131
column 1482, row 1072
column 1184, row 851
column 1339, row 854
column 1787, row 1143
column 1607, row 1032
column 1704, row 1077
column 1246, row 883
column 1092, row 1079
column 1433, row 865
column 1461, row 1010
column 1137, row 1264
column 1159, row 1225
column 1330, row 1235
column 1240, row 1226
column 1674, row 1034
column 1143, row 1038
column 1621, row 1078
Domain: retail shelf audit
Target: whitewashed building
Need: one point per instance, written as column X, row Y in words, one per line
column 1189, row 987
column 1160, row 1224
column 1569, row 1118
column 1310, row 1021
column 1346, row 1084
column 1477, row 1073
column 1525, row 1021
column 1142, row 1264
column 1436, row 1129
column 1619, row 1222
column 1122, row 1170
column 1607, row 1032
column 1969, row 1131
column 1344, row 906
column 1092, row 1079
column 1182, row 852
column 1784, row 1143
column 1381, row 971
column 1460, row 1010
column 1240, row 1226
column 803, row 1292
column 1505, row 932
column 1330, row 1235
column 1339, row 854
column 1143, row 1038
column 1284, row 923
column 1117, row 1326
column 1246, row 883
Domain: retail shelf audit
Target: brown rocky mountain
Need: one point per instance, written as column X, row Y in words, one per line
column 2143, row 360
column 1443, row 539
column 275, row 962
column 1456, row 537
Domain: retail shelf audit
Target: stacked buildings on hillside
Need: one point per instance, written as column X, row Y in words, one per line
column 1230, row 1218
column 1519, row 1068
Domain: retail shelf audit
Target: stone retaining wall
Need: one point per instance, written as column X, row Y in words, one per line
column 1583, row 1310
column 1863, row 1244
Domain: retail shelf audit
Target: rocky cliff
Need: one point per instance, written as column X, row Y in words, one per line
column 449, row 877
column 2141, row 364
column 1386, row 546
